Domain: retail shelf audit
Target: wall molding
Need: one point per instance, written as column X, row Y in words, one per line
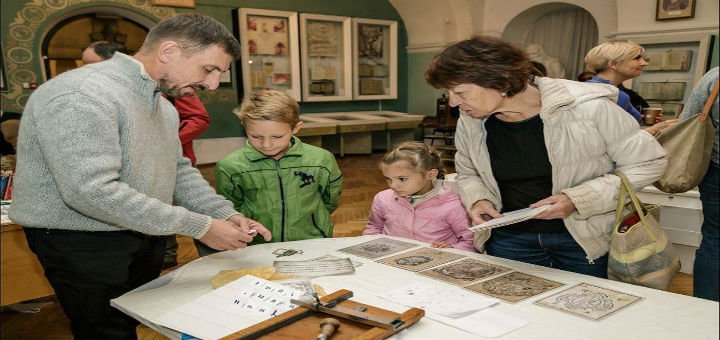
column 682, row 30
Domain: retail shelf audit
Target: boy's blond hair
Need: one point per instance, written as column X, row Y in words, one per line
column 599, row 57
column 270, row 105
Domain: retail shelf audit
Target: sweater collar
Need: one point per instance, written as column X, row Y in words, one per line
column 254, row 155
column 131, row 71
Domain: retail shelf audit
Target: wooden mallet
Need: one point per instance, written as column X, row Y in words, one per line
column 328, row 326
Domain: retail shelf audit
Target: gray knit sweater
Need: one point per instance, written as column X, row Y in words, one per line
column 99, row 151
column 694, row 105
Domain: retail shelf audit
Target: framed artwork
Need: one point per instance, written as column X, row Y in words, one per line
column 3, row 71
column 662, row 91
column 270, row 51
column 226, row 77
column 175, row 3
column 674, row 9
column 326, row 58
column 374, row 59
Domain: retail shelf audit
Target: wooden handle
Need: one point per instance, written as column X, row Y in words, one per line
column 328, row 326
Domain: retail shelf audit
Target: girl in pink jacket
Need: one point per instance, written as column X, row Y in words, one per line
column 417, row 205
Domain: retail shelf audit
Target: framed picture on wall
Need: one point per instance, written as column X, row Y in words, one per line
column 374, row 59
column 270, row 54
column 674, row 9
column 3, row 71
column 226, row 77
column 326, row 58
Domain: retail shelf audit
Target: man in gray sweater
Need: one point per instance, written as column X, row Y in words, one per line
column 101, row 177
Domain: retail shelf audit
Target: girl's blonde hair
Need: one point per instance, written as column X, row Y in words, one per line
column 420, row 156
column 599, row 57
column 270, row 105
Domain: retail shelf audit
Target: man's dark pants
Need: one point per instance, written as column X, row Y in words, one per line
column 88, row 269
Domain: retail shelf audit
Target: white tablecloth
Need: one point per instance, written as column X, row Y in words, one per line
column 660, row 315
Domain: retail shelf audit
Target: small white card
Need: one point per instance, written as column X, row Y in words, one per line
column 511, row 217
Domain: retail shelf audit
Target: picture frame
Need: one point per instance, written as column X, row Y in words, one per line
column 674, row 9
column 326, row 58
column 174, row 3
column 4, row 86
column 374, row 59
column 270, row 54
column 226, row 77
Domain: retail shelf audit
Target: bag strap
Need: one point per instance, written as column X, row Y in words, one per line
column 709, row 102
column 627, row 189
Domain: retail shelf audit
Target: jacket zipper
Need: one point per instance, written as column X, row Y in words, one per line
column 312, row 216
column 282, row 201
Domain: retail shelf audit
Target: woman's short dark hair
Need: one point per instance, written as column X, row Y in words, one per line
column 194, row 32
column 485, row 61
column 106, row 50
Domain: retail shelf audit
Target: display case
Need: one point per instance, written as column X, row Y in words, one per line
column 677, row 62
column 374, row 59
column 326, row 59
column 270, row 53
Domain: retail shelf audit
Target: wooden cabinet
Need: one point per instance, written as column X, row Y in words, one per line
column 22, row 276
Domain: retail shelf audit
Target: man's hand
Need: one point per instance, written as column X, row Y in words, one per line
column 245, row 224
column 224, row 235
column 483, row 211
column 560, row 207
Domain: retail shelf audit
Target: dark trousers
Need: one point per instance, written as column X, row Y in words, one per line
column 549, row 250
column 88, row 269
column 706, row 270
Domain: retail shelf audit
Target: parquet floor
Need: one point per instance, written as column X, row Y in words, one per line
column 362, row 181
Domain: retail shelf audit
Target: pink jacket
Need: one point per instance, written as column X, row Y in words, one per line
column 441, row 218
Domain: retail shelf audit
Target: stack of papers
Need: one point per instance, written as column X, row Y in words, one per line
column 457, row 308
column 511, row 217
column 439, row 299
column 230, row 308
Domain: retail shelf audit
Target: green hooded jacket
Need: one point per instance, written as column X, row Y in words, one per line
column 292, row 197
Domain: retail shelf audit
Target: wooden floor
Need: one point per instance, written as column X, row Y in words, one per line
column 362, row 180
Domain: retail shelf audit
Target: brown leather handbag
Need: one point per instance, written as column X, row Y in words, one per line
column 689, row 147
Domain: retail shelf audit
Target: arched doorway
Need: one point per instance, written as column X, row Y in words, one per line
column 563, row 31
column 63, row 45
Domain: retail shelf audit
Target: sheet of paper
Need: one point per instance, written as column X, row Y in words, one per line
column 511, row 217
column 378, row 248
column 230, row 308
column 514, row 286
column 439, row 299
column 333, row 257
column 420, row 259
column 589, row 301
column 464, row 272
column 489, row 322
column 314, row 268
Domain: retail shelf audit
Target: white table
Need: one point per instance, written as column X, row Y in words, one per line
column 660, row 315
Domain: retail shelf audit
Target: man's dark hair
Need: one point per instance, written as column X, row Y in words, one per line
column 485, row 61
column 106, row 50
column 194, row 32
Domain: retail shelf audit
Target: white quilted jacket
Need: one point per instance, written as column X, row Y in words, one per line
column 587, row 137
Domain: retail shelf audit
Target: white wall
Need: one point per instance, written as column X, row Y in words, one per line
column 498, row 14
column 432, row 24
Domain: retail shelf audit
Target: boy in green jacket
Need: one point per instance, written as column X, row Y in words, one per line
column 289, row 187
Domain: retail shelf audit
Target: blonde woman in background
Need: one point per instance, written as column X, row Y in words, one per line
column 615, row 62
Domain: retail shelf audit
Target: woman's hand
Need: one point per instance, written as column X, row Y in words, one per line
column 653, row 130
column 483, row 211
column 560, row 207
column 440, row 244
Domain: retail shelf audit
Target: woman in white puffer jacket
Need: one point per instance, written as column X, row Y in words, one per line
column 532, row 141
